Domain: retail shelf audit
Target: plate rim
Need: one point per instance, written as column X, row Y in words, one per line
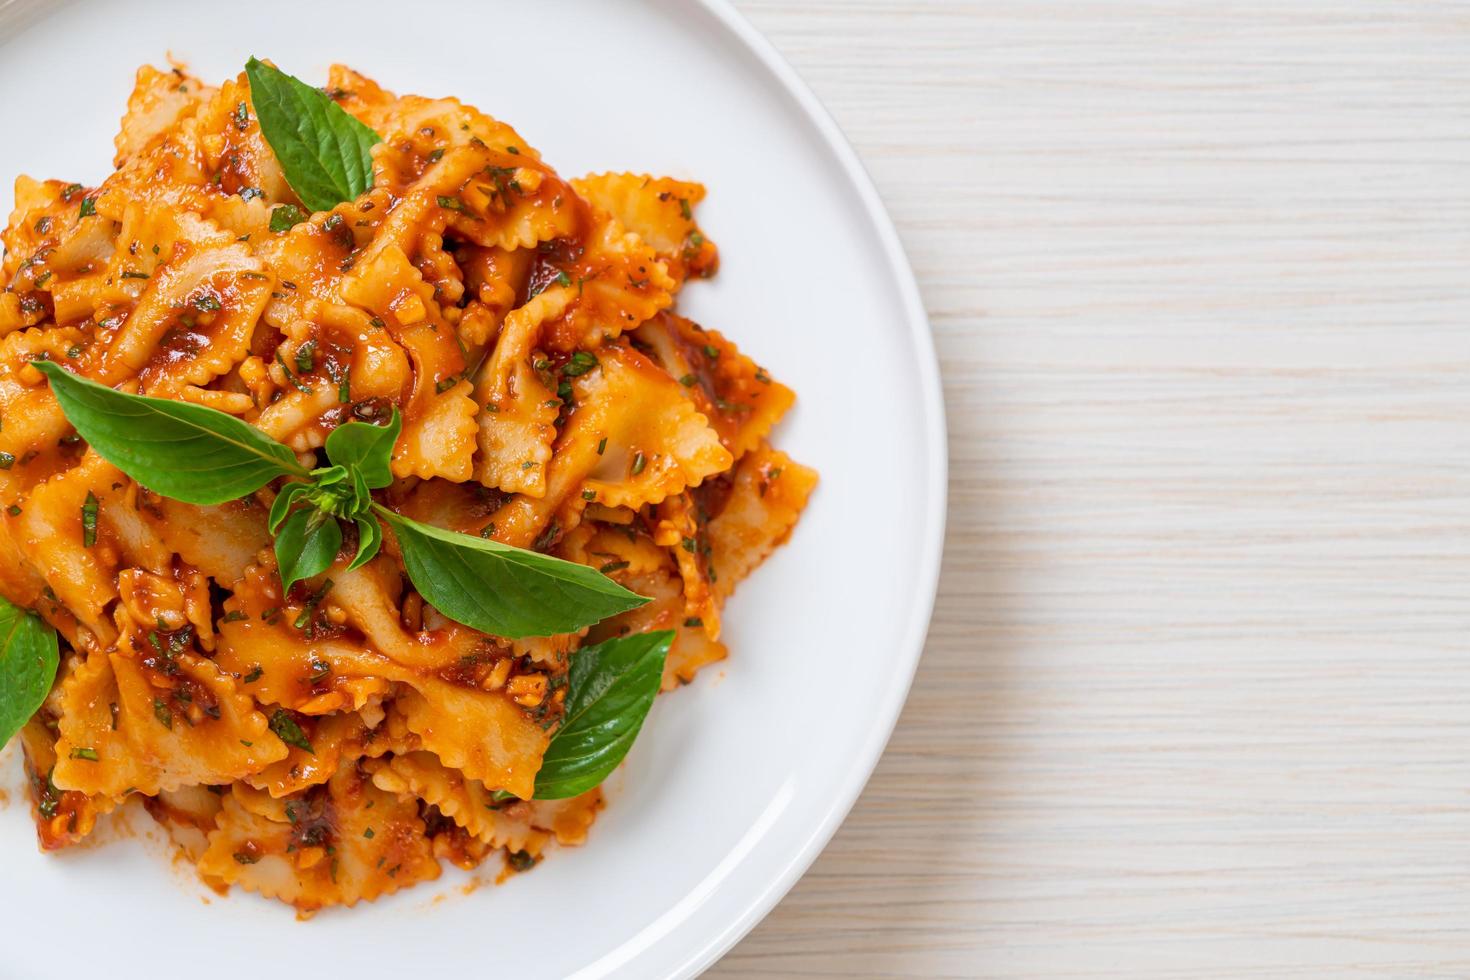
column 936, row 502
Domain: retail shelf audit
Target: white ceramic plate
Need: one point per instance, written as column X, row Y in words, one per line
column 740, row 779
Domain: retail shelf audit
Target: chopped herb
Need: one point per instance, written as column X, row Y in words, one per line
column 253, row 676
column 207, row 303
column 289, row 732
column 89, row 520
column 613, row 566
column 689, row 544
column 320, row 670
column 376, row 322
column 130, row 274
column 13, row 510
column 580, row 364
column 444, row 384
column 247, row 743
column 251, row 193
column 602, row 445
column 242, row 117
column 689, row 381
column 70, row 190
column 234, row 616
column 43, row 278
column 527, row 465
column 451, row 203
column 513, row 150
column 639, row 462
column 306, row 356
column 304, row 389
column 43, row 225
column 89, row 754
column 693, row 621
column 286, row 217
column 89, row 207
column 368, row 833
column 521, row 860
column 7, row 460
column 488, row 531
column 344, row 389
column 161, row 712
column 436, row 155
column 589, row 494
column 547, row 537
column 762, row 376
column 712, row 352
column 684, row 209
column 245, row 857
column 74, row 351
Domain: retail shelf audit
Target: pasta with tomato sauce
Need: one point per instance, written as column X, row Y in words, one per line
column 337, row 739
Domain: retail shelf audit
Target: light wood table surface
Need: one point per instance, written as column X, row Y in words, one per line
column 1196, row 700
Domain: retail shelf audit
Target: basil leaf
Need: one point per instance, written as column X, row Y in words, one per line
column 191, row 453
column 322, row 149
column 306, row 545
column 610, row 688
column 28, row 662
column 369, row 540
column 498, row 589
column 366, row 448
column 282, row 505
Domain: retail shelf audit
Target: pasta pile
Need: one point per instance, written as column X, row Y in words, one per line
column 522, row 326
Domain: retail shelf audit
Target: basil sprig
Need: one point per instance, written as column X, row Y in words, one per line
column 201, row 455
column 610, row 689
column 324, row 152
column 28, row 662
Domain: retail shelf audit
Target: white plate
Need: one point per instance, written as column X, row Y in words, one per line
column 741, row 778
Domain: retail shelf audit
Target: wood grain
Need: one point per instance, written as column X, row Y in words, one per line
column 1196, row 699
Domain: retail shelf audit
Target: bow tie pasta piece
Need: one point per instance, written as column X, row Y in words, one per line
column 33, row 430
column 63, row 816
column 633, row 440
column 516, row 825
column 740, row 400
column 193, row 321
column 337, row 844
column 767, row 497
column 517, row 409
column 159, row 100
column 127, row 726
column 659, row 210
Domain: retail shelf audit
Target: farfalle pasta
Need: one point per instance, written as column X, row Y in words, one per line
column 332, row 739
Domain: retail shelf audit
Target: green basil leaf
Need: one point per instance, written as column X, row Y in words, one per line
column 188, row 452
column 502, row 590
column 610, row 688
column 306, row 545
column 323, row 151
column 369, row 540
column 282, row 505
column 366, row 448
column 28, row 662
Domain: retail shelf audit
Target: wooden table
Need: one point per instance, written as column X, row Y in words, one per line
column 1196, row 699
